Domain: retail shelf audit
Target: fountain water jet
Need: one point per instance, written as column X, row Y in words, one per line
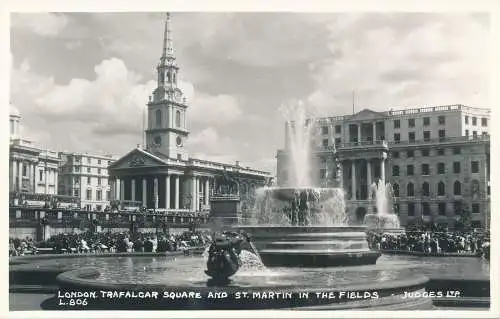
column 300, row 225
column 384, row 219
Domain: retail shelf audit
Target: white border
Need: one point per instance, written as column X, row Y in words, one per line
column 491, row 6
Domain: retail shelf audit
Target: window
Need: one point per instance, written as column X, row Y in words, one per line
column 89, row 194
column 456, row 150
column 474, row 121
column 99, row 171
column 484, row 134
column 89, row 160
column 409, row 170
column 411, row 136
column 427, row 121
column 179, row 156
column 442, row 209
column 440, row 168
column 76, row 192
column 411, row 209
column 98, row 195
column 425, row 169
column 440, row 151
column 395, row 170
column 441, row 189
column 484, row 122
column 25, row 170
column 426, row 209
column 41, row 175
column 323, row 159
column 338, row 129
column 410, row 189
column 474, row 166
column 322, row 173
column 466, row 132
column 466, row 119
column 109, row 163
column 88, row 170
column 99, row 162
column 325, row 142
column 457, row 188
column 395, row 154
column 397, row 138
column 474, row 134
column 456, row 167
column 338, row 141
column 411, row 122
column 324, row 130
column 425, row 152
column 457, row 207
column 427, row 136
column 426, row 189
column 397, row 123
column 441, row 119
column 178, row 118
column 99, row 181
column 475, row 208
column 88, row 180
column 395, row 190
column 108, row 195
column 442, row 134
column 410, row 154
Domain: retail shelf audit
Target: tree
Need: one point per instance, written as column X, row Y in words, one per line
column 463, row 213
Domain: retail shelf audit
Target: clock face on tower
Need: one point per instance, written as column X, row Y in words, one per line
column 157, row 140
column 179, row 141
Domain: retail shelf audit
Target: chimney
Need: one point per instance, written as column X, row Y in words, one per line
column 237, row 163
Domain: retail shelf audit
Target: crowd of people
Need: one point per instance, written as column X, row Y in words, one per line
column 93, row 242
column 475, row 243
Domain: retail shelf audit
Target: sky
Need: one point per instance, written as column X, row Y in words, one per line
column 81, row 80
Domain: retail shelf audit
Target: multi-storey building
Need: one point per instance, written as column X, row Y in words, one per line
column 436, row 159
column 32, row 169
column 86, row 176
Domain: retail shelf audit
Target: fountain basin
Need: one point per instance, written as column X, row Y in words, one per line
column 311, row 246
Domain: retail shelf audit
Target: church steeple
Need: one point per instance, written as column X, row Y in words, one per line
column 167, row 68
column 167, row 117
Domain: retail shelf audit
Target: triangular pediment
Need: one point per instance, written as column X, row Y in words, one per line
column 137, row 158
column 366, row 115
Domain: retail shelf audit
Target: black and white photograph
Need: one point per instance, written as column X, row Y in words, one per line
column 285, row 160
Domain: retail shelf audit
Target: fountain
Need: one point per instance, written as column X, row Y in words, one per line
column 384, row 219
column 300, row 225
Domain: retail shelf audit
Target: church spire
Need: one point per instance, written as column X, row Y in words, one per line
column 168, row 47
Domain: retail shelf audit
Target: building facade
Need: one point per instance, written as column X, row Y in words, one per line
column 32, row 169
column 85, row 176
column 161, row 175
column 435, row 158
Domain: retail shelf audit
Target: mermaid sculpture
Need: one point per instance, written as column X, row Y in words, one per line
column 223, row 255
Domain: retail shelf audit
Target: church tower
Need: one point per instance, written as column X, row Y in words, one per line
column 167, row 129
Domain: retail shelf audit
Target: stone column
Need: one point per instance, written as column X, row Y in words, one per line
column 369, row 175
column 359, row 133
column 167, row 192
column 117, row 188
column 353, row 179
column 32, row 178
column 207, row 191
column 133, row 189
column 20, row 175
column 177, row 192
column 47, row 175
column 193, row 194
column 374, row 132
column 382, row 171
column 155, row 186
column 14, row 174
column 122, row 190
column 112, row 189
column 144, row 192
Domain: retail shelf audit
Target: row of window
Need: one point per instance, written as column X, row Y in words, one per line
column 88, row 194
column 484, row 121
column 426, row 152
column 324, row 129
column 89, row 180
column 78, row 159
column 457, row 208
column 426, row 120
column 158, row 117
column 89, row 170
column 440, row 168
column 426, row 189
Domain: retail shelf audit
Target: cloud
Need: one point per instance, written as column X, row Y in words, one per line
column 402, row 60
column 44, row 24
